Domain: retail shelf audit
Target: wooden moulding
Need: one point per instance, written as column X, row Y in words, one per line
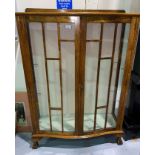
column 74, row 136
column 75, row 10
column 79, row 13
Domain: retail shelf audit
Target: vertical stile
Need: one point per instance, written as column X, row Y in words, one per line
column 118, row 68
column 132, row 41
column 46, row 68
column 98, row 73
column 77, row 56
column 111, row 69
column 81, row 73
column 60, row 71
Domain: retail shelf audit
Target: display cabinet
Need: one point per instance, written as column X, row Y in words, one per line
column 77, row 66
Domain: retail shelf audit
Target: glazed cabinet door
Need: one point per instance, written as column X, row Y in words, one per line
column 53, row 43
column 106, row 47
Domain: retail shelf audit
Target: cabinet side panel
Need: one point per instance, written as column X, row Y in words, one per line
column 28, row 69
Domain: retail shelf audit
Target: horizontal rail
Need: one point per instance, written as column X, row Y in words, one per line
column 65, row 40
column 55, row 108
column 104, row 58
column 100, row 107
column 52, row 58
column 95, row 40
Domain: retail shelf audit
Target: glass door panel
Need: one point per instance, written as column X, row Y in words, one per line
column 90, row 83
column 37, row 47
column 106, row 48
column 121, row 70
column 53, row 52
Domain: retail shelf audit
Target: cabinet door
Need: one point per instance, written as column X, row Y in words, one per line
column 53, row 53
column 106, row 49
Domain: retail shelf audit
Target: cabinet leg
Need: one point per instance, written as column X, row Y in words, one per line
column 119, row 141
column 35, row 143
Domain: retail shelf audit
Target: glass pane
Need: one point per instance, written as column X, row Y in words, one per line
column 111, row 123
column 54, row 83
column 93, row 31
column 51, row 40
column 107, row 40
column 40, row 74
column 56, row 119
column 67, row 31
column 90, row 84
column 89, row 120
column 118, row 41
column 103, row 82
column 111, row 97
column 68, row 79
column 100, row 118
column 124, row 51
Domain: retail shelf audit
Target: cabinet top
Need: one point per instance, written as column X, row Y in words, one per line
column 32, row 11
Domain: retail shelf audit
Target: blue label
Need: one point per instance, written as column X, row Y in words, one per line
column 64, row 4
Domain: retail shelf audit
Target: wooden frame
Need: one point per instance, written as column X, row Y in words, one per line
column 80, row 18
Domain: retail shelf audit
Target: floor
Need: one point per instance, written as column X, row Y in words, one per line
column 95, row 146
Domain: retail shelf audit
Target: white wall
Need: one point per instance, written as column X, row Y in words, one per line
column 128, row 5
column 20, row 85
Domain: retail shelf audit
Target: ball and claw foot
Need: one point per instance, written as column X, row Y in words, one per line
column 35, row 144
column 119, row 141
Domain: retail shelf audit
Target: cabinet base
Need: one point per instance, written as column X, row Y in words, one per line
column 35, row 143
column 36, row 137
column 119, row 141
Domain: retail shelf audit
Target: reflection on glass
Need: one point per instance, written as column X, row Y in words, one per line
column 67, row 31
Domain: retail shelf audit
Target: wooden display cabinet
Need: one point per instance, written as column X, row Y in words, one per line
column 77, row 66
